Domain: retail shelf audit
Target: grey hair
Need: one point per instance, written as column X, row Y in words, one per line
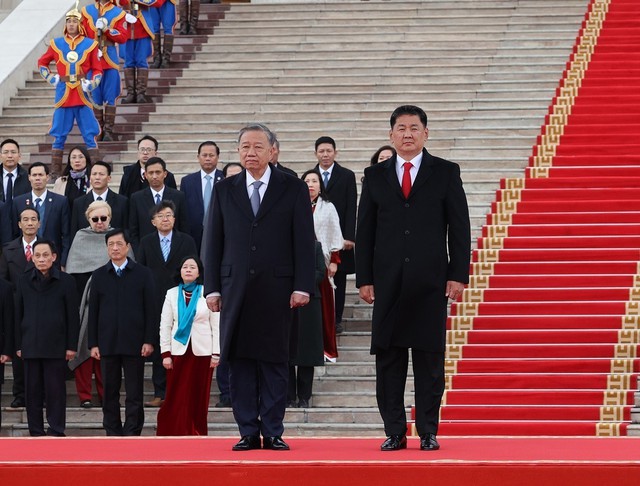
column 260, row 127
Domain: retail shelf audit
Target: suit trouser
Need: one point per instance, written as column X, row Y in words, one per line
column 300, row 382
column 222, row 379
column 112, row 369
column 258, row 396
column 391, row 377
column 159, row 374
column 340, row 281
column 18, row 377
column 45, row 378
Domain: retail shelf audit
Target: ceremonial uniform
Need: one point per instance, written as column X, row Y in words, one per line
column 109, row 31
column 138, row 48
column 78, row 74
column 166, row 19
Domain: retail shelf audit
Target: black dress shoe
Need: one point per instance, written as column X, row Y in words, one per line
column 394, row 443
column 274, row 444
column 17, row 403
column 303, row 403
column 247, row 443
column 428, row 442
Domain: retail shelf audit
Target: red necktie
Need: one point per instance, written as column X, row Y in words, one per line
column 28, row 253
column 406, row 179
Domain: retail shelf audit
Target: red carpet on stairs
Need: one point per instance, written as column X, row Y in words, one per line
column 544, row 341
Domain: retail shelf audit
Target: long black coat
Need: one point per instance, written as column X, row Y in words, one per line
column 47, row 318
column 402, row 251
column 164, row 273
column 256, row 262
column 343, row 194
column 123, row 314
column 8, row 320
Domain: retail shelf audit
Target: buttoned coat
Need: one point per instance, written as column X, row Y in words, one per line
column 47, row 319
column 402, row 251
column 140, row 206
column 164, row 273
column 13, row 262
column 123, row 314
column 56, row 226
column 191, row 186
column 256, row 262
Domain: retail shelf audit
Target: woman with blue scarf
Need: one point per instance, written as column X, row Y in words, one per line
column 190, row 347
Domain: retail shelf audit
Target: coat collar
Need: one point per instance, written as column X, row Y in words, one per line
column 274, row 191
column 426, row 169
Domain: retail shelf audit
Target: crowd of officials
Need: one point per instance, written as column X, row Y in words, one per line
column 413, row 253
column 104, row 321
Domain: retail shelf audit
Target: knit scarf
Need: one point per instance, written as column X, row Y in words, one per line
column 186, row 313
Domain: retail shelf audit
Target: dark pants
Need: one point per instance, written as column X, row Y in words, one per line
column 46, row 378
column 159, row 374
column 18, row 377
column 300, row 383
column 258, row 396
column 222, row 379
column 340, row 281
column 391, row 377
column 112, row 370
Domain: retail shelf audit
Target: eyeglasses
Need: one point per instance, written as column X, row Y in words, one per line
column 145, row 150
column 164, row 216
column 95, row 219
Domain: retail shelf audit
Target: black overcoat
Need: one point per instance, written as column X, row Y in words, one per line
column 256, row 262
column 402, row 250
column 123, row 312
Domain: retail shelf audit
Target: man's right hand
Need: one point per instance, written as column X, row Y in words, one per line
column 367, row 294
column 214, row 303
column 95, row 353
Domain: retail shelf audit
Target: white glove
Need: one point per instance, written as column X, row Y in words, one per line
column 54, row 80
column 101, row 23
column 86, row 85
column 99, row 54
column 130, row 18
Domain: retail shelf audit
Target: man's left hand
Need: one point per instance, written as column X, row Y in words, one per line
column 298, row 300
column 70, row 355
column 454, row 290
column 147, row 349
column 348, row 245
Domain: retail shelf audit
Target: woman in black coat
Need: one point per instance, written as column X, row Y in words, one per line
column 310, row 348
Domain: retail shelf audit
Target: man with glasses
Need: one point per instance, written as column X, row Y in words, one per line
column 123, row 330
column 143, row 201
column 133, row 179
column 99, row 178
column 163, row 251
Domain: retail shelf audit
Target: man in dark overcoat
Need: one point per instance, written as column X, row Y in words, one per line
column 259, row 253
column 47, row 339
column 413, row 251
column 123, row 329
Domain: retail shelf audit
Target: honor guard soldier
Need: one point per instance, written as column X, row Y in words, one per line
column 167, row 18
column 138, row 48
column 78, row 74
column 106, row 23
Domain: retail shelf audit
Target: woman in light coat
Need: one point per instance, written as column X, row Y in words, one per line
column 190, row 347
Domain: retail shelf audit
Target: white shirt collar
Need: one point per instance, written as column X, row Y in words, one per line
column 42, row 198
column 265, row 178
column 103, row 195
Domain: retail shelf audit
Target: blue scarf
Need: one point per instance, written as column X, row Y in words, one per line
column 186, row 313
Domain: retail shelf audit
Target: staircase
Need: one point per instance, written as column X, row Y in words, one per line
column 483, row 70
column 545, row 340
